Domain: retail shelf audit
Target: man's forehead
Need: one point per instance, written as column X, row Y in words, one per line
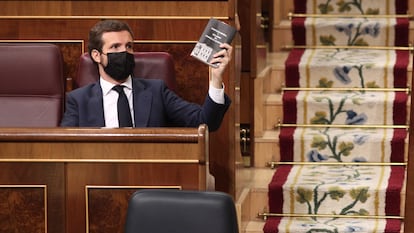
column 117, row 37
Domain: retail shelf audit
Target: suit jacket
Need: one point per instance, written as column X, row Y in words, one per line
column 154, row 106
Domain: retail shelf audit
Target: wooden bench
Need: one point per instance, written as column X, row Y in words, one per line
column 79, row 179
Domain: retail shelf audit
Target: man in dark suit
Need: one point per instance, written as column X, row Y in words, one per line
column 151, row 103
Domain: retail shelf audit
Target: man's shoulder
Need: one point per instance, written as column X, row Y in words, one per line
column 148, row 80
column 85, row 89
column 148, row 83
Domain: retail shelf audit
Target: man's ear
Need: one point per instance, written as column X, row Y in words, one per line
column 95, row 54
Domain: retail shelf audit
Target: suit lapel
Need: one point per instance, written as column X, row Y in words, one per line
column 95, row 106
column 142, row 104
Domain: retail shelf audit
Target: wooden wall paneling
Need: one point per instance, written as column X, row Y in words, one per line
column 106, row 206
column 113, row 8
column 222, row 145
column 167, row 29
column 105, row 212
column 23, row 208
column 259, row 43
column 247, row 68
column 267, row 22
column 71, row 51
column 45, row 29
column 253, row 42
column 239, row 163
column 155, row 29
column 223, row 142
column 32, row 197
column 191, row 75
column 254, row 59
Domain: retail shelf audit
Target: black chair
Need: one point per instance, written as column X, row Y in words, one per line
column 179, row 211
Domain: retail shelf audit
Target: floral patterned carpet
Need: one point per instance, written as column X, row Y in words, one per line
column 343, row 137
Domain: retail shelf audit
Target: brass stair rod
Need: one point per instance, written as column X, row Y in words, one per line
column 343, row 126
column 303, row 15
column 273, row 163
column 407, row 90
column 266, row 215
column 408, row 48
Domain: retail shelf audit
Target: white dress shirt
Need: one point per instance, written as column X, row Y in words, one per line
column 110, row 100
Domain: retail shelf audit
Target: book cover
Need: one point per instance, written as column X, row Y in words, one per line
column 215, row 33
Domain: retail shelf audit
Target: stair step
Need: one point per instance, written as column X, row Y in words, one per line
column 338, row 189
column 273, row 110
column 303, row 225
column 335, row 31
column 266, row 148
column 253, row 198
column 254, row 227
column 282, row 35
column 276, row 62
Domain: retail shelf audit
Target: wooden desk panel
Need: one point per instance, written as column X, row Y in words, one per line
column 87, row 175
column 21, row 189
column 30, row 218
column 101, row 196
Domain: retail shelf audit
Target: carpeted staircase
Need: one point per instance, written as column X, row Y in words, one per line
column 344, row 129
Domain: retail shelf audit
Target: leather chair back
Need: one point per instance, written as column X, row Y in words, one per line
column 180, row 211
column 148, row 65
column 32, row 86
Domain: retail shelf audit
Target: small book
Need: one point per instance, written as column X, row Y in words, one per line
column 215, row 33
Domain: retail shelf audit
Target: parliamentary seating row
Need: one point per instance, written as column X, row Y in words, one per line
column 32, row 82
column 73, row 179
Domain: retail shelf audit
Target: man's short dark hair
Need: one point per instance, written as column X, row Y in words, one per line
column 95, row 34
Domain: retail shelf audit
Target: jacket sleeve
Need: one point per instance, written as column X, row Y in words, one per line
column 186, row 114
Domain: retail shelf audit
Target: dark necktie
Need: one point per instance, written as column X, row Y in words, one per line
column 124, row 114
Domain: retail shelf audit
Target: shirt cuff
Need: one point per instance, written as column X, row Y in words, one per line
column 217, row 95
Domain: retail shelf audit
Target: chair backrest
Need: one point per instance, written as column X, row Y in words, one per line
column 32, row 85
column 148, row 65
column 180, row 211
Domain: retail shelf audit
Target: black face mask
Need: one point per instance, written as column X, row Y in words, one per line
column 120, row 65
